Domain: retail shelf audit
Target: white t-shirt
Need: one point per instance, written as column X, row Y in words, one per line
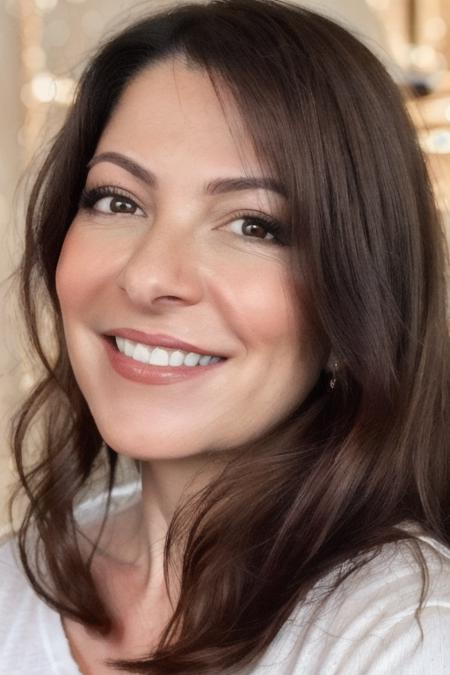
column 367, row 627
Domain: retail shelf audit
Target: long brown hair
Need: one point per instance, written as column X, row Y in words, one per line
column 333, row 481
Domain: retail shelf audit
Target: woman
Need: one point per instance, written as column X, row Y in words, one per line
column 236, row 238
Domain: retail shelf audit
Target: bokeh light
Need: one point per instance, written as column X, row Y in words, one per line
column 380, row 5
column 435, row 29
column 43, row 87
column 423, row 57
column 436, row 142
column 65, row 89
column 45, row 5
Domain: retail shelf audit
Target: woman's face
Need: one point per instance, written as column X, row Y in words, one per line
column 170, row 241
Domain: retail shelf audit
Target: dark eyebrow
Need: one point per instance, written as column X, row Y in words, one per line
column 222, row 185
column 126, row 163
column 218, row 186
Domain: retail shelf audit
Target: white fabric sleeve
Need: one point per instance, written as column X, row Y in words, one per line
column 367, row 626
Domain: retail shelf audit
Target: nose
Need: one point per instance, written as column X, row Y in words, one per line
column 162, row 269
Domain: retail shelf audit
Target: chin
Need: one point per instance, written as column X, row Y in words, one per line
column 151, row 447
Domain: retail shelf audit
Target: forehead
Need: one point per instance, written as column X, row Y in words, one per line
column 173, row 107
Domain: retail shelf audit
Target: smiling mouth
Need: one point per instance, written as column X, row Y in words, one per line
column 161, row 356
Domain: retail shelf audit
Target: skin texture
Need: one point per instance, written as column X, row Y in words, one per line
column 182, row 269
column 180, row 265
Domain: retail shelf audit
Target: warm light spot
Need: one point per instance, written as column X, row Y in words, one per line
column 435, row 28
column 436, row 142
column 423, row 57
column 43, row 87
column 65, row 88
column 380, row 5
column 45, row 5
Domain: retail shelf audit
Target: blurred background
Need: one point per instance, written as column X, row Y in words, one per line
column 43, row 46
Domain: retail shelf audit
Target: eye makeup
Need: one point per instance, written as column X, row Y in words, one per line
column 121, row 203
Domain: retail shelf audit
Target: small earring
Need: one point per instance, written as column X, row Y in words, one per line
column 333, row 379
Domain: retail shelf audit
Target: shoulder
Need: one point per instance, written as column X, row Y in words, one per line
column 31, row 635
column 18, row 601
column 11, row 575
column 370, row 625
column 18, row 604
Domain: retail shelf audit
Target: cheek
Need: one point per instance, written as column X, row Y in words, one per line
column 263, row 305
column 68, row 274
column 268, row 311
column 80, row 272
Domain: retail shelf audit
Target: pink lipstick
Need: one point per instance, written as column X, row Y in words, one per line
column 144, row 373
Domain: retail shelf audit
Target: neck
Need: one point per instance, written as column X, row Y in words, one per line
column 136, row 536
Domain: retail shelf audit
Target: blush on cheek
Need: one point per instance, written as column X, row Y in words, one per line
column 271, row 312
column 76, row 273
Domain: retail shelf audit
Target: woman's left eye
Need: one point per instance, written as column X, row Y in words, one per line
column 257, row 227
column 107, row 201
column 110, row 201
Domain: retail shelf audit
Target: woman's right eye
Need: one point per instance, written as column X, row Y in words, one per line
column 109, row 201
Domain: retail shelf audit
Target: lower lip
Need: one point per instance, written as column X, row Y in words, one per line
column 146, row 374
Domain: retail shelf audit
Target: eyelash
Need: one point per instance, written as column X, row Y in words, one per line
column 89, row 198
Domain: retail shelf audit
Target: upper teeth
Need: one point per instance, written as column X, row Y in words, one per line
column 160, row 356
